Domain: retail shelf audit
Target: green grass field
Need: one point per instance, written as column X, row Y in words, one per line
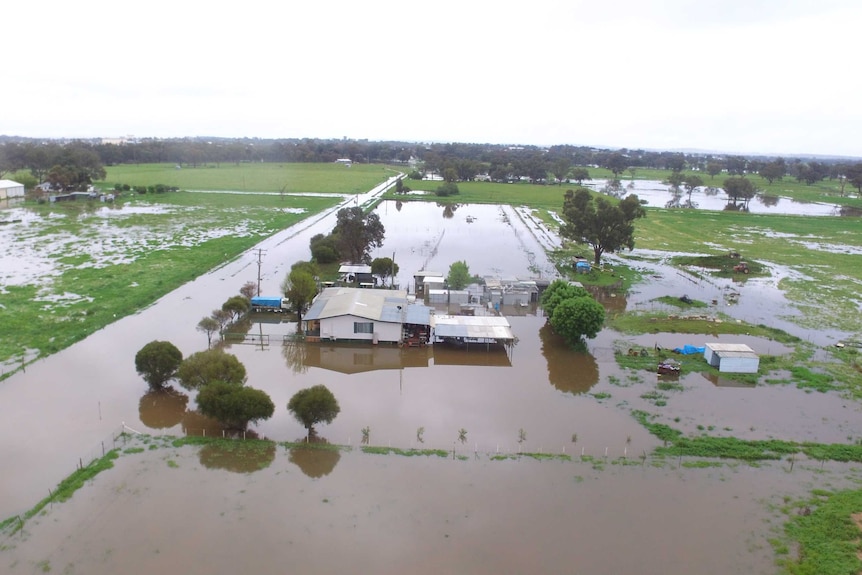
column 253, row 177
column 168, row 240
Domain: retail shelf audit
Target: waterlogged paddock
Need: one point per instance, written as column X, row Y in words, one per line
column 172, row 510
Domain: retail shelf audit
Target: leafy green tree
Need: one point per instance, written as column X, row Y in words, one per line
column 713, row 169
column 234, row 406
column 773, row 171
column 580, row 174
column 691, row 183
column 447, row 189
column 236, row 306
column 357, row 233
column 300, row 287
column 577, row 318
column 675, row 180
column 853, row 172
column 675, row 163
column 221, row 317
column 739, row 188
column 560, row 169
column 559, row 291
column 384, row 268
column 313, row 405
column 203, row 367
column 157, row 363
column 324, row 248
column 459, row 275
column 208, row 326
column 606, row 227
column 616, row 163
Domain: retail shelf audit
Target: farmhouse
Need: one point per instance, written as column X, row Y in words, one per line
column 370, row 315
column 10, row 189
column 731, row 357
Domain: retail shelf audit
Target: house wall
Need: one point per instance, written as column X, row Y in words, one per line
column 739, row 364
column 341, row 327
column 11, row 192
column 710, row 357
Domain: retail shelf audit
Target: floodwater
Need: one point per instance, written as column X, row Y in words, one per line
column 170, row 511
column 196, row 510
column 658, row 195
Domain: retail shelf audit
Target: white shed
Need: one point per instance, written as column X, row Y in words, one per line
column 10, row 189
column 731, row 357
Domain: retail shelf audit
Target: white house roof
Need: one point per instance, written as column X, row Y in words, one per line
column 480, row 326
column 434, row 280
column 10, row 184
column 731, row 349
column 354, row 269
column 374, row 304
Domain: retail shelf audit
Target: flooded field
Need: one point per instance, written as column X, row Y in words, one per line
column 170, row 510
column 659, row 195
column 196, row 510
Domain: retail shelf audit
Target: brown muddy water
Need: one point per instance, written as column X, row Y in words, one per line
column 168, row 511
column 392, row 513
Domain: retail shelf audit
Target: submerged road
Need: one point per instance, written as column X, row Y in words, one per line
column 62, row 408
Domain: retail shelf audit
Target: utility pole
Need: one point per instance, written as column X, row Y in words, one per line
column 260, row 254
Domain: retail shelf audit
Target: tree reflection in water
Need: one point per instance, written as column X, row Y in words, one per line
column 316, row 458
column 238, row 456
column 163, row 408
column 569, row 370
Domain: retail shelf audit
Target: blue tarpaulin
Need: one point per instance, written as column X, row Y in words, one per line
column 688, row 350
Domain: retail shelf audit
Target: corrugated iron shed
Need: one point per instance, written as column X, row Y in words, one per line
column 473, row 327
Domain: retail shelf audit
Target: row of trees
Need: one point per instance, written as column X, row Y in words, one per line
column 220, row 381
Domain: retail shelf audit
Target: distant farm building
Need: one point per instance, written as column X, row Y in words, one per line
column 731, row 357
column 10, row 189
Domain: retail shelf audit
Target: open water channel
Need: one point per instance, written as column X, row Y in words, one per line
column 192, row 510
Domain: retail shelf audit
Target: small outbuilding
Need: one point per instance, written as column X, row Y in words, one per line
column 731, row 357
column 10, row 189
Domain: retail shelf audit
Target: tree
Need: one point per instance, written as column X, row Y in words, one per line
column 604, row 226
column 675, row 180
column 221, row 317
column 773, row 171
column 447, row 189
column 580, row 174
column 577, row 318
column 691, row 183
column 459, row 275
column 300, row 287
column 208, row 326
column 560, row 169
column 248, row 290
column 204, row 367
column 675, row 163
column 357, row 233
column 236, row 306
column 324, row 249
column 384, row 268
column 739, row 188
column 713, row 169
column 157, row 363
column 559, row 291
column 616, row 163
column 854, row 176
column 234, row 406
column 313, row 405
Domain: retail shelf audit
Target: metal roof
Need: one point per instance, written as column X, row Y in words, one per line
column 489, row 327
column 354, row 269
column 731, row 349
column 418, row 314
column 10, row 184
column 375, row 304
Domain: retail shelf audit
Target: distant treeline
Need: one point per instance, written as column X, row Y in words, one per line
column 466, row 161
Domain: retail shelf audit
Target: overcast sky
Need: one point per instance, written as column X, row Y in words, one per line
column 746, row 76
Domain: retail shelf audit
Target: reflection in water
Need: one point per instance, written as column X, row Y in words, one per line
column 295, row 355
column 769, row 200
column 474, row 354
column 568, row 370
column 162, row 408
column 719, row 381
column 358, row 358
column 449, row 210
column 316, row 459
column 195, row 423
column 238, row 456
column 612, row 298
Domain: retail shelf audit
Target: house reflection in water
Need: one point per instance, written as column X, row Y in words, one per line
column 358, row 358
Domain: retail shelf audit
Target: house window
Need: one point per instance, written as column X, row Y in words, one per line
column 363, row 327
